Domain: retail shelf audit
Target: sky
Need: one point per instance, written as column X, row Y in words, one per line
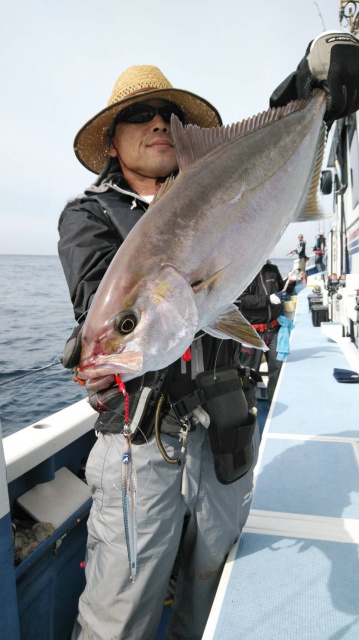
column 60, row 61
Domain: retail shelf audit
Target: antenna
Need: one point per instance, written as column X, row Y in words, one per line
column 320, row 15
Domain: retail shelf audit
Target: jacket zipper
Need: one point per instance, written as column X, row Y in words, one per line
column 266, row 292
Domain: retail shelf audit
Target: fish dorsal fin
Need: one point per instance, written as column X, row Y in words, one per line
column 193, row 143
column 162, row 190
column 312, row 209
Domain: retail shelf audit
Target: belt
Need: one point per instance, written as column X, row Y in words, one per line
column 265, row 327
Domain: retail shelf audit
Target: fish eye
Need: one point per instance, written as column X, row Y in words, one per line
column 125, row 322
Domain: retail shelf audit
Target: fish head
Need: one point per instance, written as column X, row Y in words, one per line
column 146, row 330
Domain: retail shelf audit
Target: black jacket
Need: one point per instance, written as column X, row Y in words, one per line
column 255, row 302
column 319, row 244
column 92, row 228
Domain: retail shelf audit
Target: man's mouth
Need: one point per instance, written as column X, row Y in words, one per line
column 161, row 143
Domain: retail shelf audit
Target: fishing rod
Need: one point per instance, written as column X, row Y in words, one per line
column 320, row 15
column 29, row 373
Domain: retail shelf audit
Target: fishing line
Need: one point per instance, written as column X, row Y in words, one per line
column 215, row 362
column 83, row 315
column 29, row 373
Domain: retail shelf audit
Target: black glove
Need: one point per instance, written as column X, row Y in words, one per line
column 332, row 64
column 72, row 349
column 101, row 401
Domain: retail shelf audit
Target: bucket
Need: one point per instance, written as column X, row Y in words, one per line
column 289, row 306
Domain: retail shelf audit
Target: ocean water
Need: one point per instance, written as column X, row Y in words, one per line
column 36, row 319
column 285, row 265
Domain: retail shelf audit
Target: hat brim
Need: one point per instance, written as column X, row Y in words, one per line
column 90, row 144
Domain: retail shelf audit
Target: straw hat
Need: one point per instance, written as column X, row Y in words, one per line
column 134, row 85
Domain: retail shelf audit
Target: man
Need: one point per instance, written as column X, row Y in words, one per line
column 175, row 503
column 261, row 305
column 300, row 251
column 319, row 250
column 129, row 145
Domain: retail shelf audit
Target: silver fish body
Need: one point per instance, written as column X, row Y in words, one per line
column 203, row 239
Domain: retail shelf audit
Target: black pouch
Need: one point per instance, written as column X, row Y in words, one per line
column 142, row 408
column 232, row 425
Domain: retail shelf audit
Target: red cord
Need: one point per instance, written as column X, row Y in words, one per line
column 122, row 389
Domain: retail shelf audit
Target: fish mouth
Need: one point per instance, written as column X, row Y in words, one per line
column 99, row 371
column 99, row 382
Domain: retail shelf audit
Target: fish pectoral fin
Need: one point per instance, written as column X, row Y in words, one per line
column 231, row 324
column 209, row 282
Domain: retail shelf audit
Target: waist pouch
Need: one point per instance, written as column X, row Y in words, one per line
column 232, row 425
column 142, row 405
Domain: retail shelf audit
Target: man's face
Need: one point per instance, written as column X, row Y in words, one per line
column 145, row 149
column 300, row 238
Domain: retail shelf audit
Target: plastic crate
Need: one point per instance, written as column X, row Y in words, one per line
column 319, row 314
column 314, row 299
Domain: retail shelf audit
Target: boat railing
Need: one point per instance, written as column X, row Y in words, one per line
column 310, row 265
column 27, row 448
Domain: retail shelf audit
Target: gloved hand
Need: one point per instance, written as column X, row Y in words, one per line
column 72, row 349
column 332, row 63
column 101, row 400
column 276, row 298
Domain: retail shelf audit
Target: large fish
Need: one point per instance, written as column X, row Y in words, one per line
column 203, row 239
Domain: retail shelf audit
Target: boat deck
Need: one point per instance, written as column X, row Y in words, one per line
column 295, row 571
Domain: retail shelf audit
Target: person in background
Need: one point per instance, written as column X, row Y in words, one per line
column 319, row 250
column 261, row 305
column 301, row 253
column 129, row 145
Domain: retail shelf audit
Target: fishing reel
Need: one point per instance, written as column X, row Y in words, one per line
column 332, row 285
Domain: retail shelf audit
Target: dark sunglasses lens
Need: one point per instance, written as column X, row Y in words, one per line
column 136, row 113
column 166, row 112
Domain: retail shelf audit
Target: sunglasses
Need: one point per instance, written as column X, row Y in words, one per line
column 139, row 113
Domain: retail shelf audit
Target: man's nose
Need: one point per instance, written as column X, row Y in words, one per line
column 159, row 124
